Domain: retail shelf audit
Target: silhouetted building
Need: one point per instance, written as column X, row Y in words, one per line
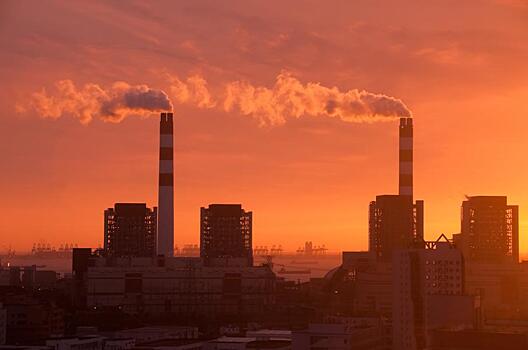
column 394, row 223
column 468, row 339
column 181, row 286
column 226, row 234
column 130, row 230
column 91, row 342
column 31, row 320
column 502, row 287
column 3, row 324
column 428, row 292
column 489, row 230
column 338, row 336
column 81, row 258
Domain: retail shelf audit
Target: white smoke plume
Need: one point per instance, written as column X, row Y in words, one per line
column 92, row 101
column 290, row 99
column 287, row 99
column 193, row 91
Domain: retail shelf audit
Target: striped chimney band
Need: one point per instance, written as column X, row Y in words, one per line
column 166, row 150
column 166, row 187
column 406, row 157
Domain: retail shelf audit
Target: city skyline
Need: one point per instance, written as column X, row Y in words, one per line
column 300, row 175
column 327, row 170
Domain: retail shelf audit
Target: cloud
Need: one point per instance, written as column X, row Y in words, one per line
column 92, row 101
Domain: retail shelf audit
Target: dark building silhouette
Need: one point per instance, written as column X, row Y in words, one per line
column 225, row 233
column 30, row 319
column 489, row 230
column 130, row 230
column 481, row 339
column 394, row 223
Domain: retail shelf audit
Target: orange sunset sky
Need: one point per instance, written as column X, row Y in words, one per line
column 460, row 66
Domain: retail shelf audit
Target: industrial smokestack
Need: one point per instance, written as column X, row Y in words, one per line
column 406, row 157
column 166, row 188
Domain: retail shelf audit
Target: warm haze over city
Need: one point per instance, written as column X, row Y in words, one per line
column 290, row 108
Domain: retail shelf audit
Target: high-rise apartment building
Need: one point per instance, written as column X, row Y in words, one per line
column 226, row 233
column 489, row 230
column 394, row 223
column 130, row 230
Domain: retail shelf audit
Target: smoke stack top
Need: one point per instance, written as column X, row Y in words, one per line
column 406, row 157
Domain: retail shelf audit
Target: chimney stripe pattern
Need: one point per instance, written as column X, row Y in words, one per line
column 166, row 188
column 406, row 157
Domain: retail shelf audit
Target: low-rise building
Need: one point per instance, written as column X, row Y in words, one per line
column 76, row 343
column 30, row 320
column 177, row 285
column 501, row 288
column 453, row 339
column 338, row 337
column 246, row 343
column 119, row 344
column 143, row 335
column 3, row 324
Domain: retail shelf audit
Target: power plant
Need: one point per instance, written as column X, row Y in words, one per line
column 396, row 221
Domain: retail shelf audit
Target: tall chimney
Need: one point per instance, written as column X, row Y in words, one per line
column 406, row 157
column 166, row 188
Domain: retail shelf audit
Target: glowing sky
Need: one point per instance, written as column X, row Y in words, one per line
column 460, row 66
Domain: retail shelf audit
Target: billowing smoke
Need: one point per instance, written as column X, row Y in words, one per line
column 287, row 99
column 193, row 91
column 92, row 101
column 290, row 99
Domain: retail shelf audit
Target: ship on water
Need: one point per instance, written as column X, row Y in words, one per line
column 46, row 251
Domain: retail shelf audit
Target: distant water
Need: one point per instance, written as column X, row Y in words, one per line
column 60, row 265
column 318, row 265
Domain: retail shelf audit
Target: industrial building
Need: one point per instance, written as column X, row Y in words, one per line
column 226, row 234
column 183, row 286
column 502, row 288
column 396, row 221
column 489, row 230
column 130, row 230
column 338, row 336
column 139, row 277
column 428, row 293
